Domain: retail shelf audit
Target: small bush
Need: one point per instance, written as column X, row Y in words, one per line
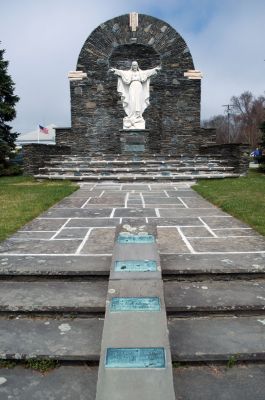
column 16, row 157
column 11, row 170
column 42, row 365
column 231, row 361
column 262, row 168
column 7, row 364
column 4, row 150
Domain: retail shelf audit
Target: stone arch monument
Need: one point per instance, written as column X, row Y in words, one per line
column 173, row 116
column 170, row 132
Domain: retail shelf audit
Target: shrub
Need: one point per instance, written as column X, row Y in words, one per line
column 10, row 170
column 261, row 168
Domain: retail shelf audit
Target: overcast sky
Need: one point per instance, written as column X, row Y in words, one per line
column 43, row 38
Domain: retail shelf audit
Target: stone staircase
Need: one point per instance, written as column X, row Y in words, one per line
column 61, row 318
column 154, row 167
column 52, row 303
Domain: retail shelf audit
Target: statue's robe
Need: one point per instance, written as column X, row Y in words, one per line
column 134, row 93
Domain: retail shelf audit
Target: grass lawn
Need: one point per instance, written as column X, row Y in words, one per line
column 23, row 198
column 244, row 198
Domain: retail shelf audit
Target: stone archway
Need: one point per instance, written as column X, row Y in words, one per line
column 123, row 55
column 174, row 112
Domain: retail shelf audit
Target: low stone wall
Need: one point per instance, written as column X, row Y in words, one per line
column 83, row 143
column 188, row 144
column 63, row 136
column 175, row 143
column 35, row 155
column 236, row 154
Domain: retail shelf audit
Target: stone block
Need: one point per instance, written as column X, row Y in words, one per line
column 100, row 241
column 62, row 339
column 219, row 338
column 90, row 105
column 170, row 241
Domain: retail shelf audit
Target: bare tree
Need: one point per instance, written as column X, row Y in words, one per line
column 249, row 112
column 245, row 120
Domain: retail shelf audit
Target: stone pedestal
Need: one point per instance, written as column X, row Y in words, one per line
column 134, row 140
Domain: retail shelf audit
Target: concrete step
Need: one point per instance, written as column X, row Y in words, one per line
column 72, row 382
column 158, row 174
column 132, row 178
column 54, row 265
column 215, row 296
column 139, row 156
column 191, row 339
column 180, row 265
column 139, row 168
column 64, row 383
column 130, row 162
column 137, row 159
column 61, row 339
column 133, row 169
column 53, row 296
column 212, row 339
column 213, row 264
column 58, row 296
column 241, row 382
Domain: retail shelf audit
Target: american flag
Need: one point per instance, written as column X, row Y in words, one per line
column 43, row 129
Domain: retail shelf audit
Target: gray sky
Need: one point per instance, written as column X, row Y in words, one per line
column 43, row 38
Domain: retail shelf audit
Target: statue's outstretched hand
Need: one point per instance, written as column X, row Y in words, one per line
column 158, row 68
column 112, row 69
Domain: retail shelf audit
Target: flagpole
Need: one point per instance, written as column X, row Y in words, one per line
column 38, row 134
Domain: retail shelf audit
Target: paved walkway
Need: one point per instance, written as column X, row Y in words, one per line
column 84, row 223
column 213, row 268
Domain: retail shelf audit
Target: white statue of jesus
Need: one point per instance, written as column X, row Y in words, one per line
column 133, row 86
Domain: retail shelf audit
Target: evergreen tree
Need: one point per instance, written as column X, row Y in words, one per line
column 7, row 110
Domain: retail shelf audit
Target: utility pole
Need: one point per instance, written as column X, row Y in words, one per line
column 228, row 109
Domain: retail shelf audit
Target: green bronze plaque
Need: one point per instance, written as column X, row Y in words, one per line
column 137, row 239
column 139, row 357
column 135, row 304
column 135, row 266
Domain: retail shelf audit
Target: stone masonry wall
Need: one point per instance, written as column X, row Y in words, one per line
column 63, row 136
column 96, row 109
column 236, row 154
column 35, row 155
column 173, row 117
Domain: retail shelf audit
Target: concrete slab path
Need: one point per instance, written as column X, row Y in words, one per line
column 54, row 278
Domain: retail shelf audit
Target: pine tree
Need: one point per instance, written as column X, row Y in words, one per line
column 7, row 110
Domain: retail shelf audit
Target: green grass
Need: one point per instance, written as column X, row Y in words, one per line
column 23, row 198
column 176, row 364
column 231, row 361
column 42, row 365
column 7, row 364
column 244, row 198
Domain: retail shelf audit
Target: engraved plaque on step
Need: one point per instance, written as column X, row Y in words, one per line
column 135, row 304
column 138, row 239
column 135, row 266
column 150, row 357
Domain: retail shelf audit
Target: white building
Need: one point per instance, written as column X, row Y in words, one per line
column 37, row 136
